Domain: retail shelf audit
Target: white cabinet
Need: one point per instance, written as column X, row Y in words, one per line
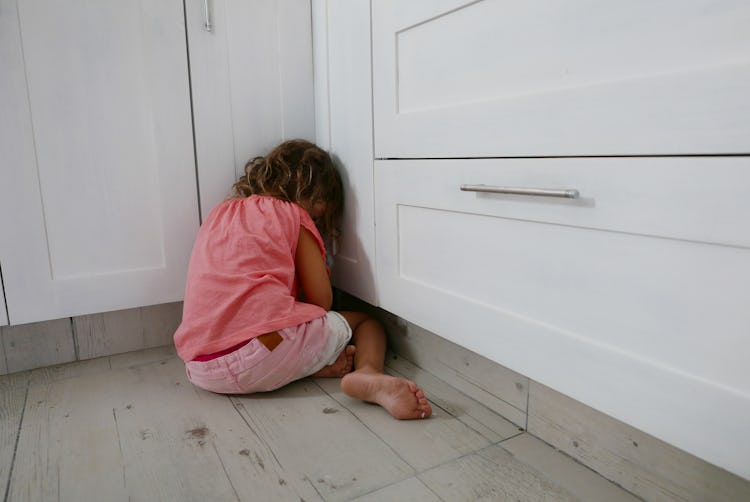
column 631, row 298
column 343, row 89
column 252, row 83
column 97, row 201
column 491, row 78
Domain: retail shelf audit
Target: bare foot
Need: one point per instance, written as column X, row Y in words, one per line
column 400, row 397
column 343, row 365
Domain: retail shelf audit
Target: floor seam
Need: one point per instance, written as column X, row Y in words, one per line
column 366, row 427
column 467, row 396
column 447, row 412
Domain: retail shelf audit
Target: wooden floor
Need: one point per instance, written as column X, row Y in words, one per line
column 131, row 427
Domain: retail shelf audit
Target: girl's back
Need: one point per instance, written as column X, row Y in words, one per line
column 242, row 281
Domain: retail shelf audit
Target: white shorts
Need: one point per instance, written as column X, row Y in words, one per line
column 304, row 350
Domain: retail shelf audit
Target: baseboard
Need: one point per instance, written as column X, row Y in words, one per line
column 41, row 344
column 638, row 462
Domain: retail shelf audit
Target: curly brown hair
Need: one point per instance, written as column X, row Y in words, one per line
column 297, row 171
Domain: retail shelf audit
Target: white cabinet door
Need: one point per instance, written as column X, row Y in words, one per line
column 343, row 101
column 252, row 82
column 98, row 205
column 493, row 78
column 632, row 298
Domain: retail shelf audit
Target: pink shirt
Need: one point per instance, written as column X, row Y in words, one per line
column 242, row 281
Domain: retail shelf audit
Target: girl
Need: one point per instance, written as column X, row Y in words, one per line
column 258, row 298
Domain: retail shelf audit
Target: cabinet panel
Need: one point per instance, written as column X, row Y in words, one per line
column 493, row 78
column 631, row 298
column 344, row 127
column 252, row 82
column 98, row 194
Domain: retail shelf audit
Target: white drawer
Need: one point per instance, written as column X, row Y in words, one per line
column 460, row 78
column 632, row 298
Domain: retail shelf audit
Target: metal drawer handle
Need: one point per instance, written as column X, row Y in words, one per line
column 539, row 192
column 208, row 16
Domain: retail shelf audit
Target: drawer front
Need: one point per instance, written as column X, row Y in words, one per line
column 489, row 78
column 632, row 298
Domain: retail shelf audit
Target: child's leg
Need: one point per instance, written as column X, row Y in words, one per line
column 338, row 339
column 400, row 397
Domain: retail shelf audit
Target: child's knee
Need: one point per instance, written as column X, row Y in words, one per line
column 355, row 319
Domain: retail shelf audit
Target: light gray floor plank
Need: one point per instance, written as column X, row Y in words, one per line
column 574, row 477
column 89, row 368
column 183, row 443
column 408, row 490
column 68, row 448
column 131, row 427
column 3, row 360
column 141, row 433
column 472, row 413
column 12, row 400
column 422, row 443
column 141, row 357
column 313, row 436
column 492, row 474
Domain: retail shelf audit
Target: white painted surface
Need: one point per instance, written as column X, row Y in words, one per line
column 98, row 191
column 492, row 78
column 271, row 81
column 343, row 90
column 632, row 299
column 212, row 102
column 252, row 80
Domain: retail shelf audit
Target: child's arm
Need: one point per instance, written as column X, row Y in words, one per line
column 312, row 272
